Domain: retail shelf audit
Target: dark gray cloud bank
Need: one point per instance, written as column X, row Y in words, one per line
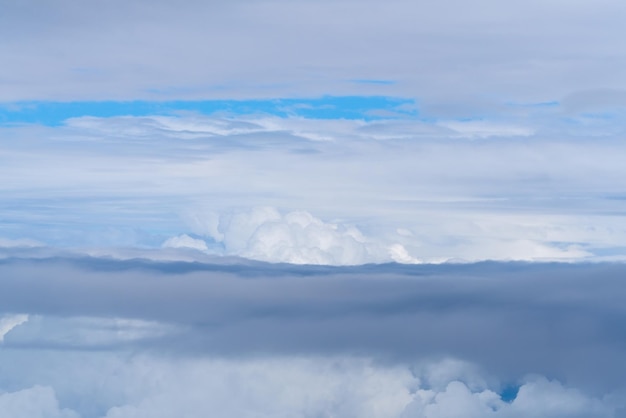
column 563, row 321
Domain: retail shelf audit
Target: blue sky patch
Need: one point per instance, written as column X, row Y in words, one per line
column 509, row 393
column 330, row 107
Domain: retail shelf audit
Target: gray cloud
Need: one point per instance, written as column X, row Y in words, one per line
column 559, row 320
column 450, row 54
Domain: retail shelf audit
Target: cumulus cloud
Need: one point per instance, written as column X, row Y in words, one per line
column 399, row 254
column 295, row 237
column 146, row 386
column 345, row 388
column 537, row 398
column 35, row 402
column 266, row 234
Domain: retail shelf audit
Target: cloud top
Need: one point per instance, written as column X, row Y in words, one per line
column 295, row 237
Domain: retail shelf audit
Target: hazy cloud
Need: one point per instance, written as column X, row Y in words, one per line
column 139, row 182
column 35, row 402
column 458, row 58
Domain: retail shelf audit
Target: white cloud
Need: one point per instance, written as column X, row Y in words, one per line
column 296, row 237
column 530, row 198
column 185, row 241
column 538, row 398
column 399, row 254
column 8, row 322
column 284, row 387
column 144, row 386
column 546, row 399
column 35, row 402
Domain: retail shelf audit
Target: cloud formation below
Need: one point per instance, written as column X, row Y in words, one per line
column 299, row 387
column 133, row 338
column 484, row 313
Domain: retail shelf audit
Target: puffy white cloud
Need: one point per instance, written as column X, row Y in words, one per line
column 344, row 387
column 542, row 398
column 537, row 398
column 34, row 402
column 399, row 254
column 282, row 387
column 295, row 237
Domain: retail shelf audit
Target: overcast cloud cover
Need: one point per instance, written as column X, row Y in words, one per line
column 271, row 208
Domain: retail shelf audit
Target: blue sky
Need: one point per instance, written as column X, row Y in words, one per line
column 346, row 107
column 399, row 209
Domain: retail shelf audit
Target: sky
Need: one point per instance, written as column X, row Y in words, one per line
column 271, row 208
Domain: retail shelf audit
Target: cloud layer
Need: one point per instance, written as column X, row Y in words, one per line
column 459, row 58
column 139, row 338
column 561, row 321
column 147, row 386
column 291, row 189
